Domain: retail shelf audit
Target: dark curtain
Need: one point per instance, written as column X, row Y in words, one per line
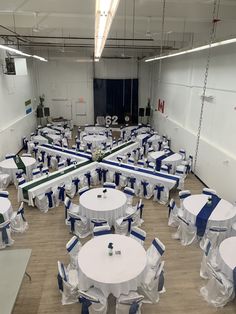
column 116, row 98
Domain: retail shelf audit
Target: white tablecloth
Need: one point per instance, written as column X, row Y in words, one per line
column 174, row 159
column 141, row 137
column 5, row 208
column 227, row 256
column 40, row 139
column 96, row 140
column 154, row 139
column 109, row 208
column 116, row 274
column 49, row 130
column 9, row 166
column 223, row 215
column 94, row 129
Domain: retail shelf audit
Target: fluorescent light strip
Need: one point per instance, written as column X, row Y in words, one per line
column 21, row 53
column 105, row 12
column 219, row 43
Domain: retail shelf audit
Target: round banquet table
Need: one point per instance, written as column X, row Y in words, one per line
column 5, row 208
column 8, row 166
column 96, row 140
column 174, row 159
column 116, row 274
column 110, row 208
column 223, row 215
column 227, row 257
column 94, row 129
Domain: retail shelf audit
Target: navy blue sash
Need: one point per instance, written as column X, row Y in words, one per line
column 234, row 278
column 132, row 182
column 157, row 246
column 104, row 145
column 78, row 144
column 129, row 219
column 85, row 305
column 104, row 175
column 134, row 308
column 88, row 177
column 89, row 145
column 117, row 178
column 68, row 160
column 159, row 145
column 99, row 172
column 144, row 184
column 49, row 160
column 5, row 238
column 60, row 282
column 58, row 157
column 43, row 155
column 61, row 195
column 72, row 223
column 49, row 196
column 21, row 212
column 137, row 235
column 141, row 210
column 171, row 208
column 159, row 160
column 204, row 214
column 35, row 150
column 159, row 189
column 161, row 281
column 76, row 183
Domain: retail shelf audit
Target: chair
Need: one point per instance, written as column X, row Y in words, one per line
column 5, row 234
column 160, row 194
column 109, row 185
column 93, row 301
column 67, row 284
column 173, row 220
column 45, row 201
column 73, row 246
column 72, row 188
column 138, row 234
column 45, row 171
column 164, row 169
column 146, row 189
column 61, row 164
column 82, row 190
column 129, row 194
column 134, row 184
column 18, row 221
column 153, row 284
column 154, row 253
column 137, row 215
column 79, row 225
column 215, row 235
column 70, row 207
column 219, row 290
column 4, row 194
column 210, row 192
column 181, row 173
column 186, row 233
column 36, row 173
column 131, row 303
column 5, row 180
column 182, row 152
column 123, row 225
column 98, row 222
column 204, row 270
column 119, row 179
column 101, row 230
column 182, row 196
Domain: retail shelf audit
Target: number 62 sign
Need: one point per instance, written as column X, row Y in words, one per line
column 111, row 120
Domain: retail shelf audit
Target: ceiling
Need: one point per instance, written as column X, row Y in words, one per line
column 65, row 28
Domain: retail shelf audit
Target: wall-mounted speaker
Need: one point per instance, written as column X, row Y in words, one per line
column 39, row 112
column 46, row 111
column 141, row 112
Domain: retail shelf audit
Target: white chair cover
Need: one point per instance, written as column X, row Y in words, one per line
column 18, row 221
column 101, row 230
column 73, row 247
column 5, row 234
column 129, row 303
column 154, row 253
column 96, row 297
column 138, row 234
column 173, row 220
column 5, row 180
column 129, row 194
column 79, row 225
column 187, row 233
column 160, row 194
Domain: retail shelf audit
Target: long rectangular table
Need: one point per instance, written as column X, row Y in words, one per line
column 28, row 190
column 169, row 181
column 13, row 265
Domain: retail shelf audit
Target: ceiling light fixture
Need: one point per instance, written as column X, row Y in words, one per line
column 216, row 44
column 21, row 53
column 104, row 14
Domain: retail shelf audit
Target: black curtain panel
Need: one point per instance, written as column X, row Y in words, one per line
column 116, row 98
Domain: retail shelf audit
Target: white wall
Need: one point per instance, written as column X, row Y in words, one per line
column 69, row 81
column 14, row 123
column 181, row 87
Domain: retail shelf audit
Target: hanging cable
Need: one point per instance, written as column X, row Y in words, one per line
column 211, row 39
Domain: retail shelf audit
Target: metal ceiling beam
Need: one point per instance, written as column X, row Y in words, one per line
column 74, row 37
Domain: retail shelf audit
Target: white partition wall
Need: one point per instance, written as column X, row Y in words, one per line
column 15, row 90
column 181, row 88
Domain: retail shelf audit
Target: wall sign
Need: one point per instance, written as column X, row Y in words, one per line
column 28, row 108
column 161, row 105
column 111, row 120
